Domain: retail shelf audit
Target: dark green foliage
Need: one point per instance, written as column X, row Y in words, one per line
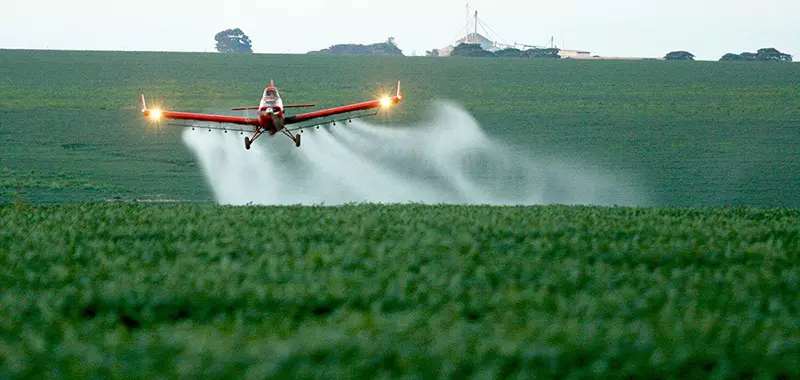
column 135, row 291
column 542, row 53
column 233, row 41
column 470, row 50
column 732, row 57
column 772, row 54
column 509, row 52
column 475, row 50
column 699, row 134
column 388, row 48
column 750, row 57
column 766, row 54
column 679, row 56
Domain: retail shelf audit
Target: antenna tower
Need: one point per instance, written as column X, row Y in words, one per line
column 476, row 27
column 466, row 27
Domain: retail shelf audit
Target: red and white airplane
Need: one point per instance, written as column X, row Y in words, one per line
column 272, row 118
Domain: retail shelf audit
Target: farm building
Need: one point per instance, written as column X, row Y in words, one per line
column 472, row 38
column 574, row 54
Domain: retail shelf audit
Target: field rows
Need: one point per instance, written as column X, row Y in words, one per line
column 689, row 133
column 129, row 290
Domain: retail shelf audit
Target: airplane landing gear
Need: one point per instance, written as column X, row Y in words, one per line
column 248, row 141
column 295, row 138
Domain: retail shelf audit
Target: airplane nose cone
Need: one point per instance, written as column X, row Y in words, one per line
column 272, row 110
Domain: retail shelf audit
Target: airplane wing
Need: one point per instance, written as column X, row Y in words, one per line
column 384, row 102
column 157, row 114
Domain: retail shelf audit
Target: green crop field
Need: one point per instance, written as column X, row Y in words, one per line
column 138, row 291
column 95, row 284
column 687, row 133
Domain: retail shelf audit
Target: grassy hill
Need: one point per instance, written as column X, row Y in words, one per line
column 691, row 133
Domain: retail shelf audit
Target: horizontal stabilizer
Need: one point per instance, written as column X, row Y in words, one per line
column 243, row 108
column 299, row 105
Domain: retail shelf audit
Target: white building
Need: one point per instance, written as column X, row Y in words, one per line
column 472, row 38
column 575, row 54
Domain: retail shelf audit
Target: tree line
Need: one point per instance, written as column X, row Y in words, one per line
column 475, row 50
column 388, row 48
column 765, row 54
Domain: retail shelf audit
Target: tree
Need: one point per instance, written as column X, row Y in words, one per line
column 766, row 54
column 542, row 53
column 233, row 41
column 772, row 54
column 509, row 52
column 388, row 48
column 732, row 57
column 679, row 55
column 432, row 53
column 470, row 50
column 749, row 56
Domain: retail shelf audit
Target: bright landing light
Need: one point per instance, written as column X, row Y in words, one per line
column 386, row 102
column 155, row 114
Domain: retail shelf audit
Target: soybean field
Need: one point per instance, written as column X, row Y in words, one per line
column 686, row 133
column 140, row 291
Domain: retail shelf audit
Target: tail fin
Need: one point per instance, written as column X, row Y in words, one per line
column 271, row 83
column 399, row 94
column 144, row 105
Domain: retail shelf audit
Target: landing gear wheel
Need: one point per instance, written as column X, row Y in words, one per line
column 297, row 141
column 247, row 142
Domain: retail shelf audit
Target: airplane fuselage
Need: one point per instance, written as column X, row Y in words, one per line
column 271, row 111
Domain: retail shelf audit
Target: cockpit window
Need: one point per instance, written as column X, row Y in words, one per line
column 270, row 93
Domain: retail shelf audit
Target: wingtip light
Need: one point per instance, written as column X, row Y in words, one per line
column 155, row 114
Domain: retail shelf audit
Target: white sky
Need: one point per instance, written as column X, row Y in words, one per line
column 644, row 28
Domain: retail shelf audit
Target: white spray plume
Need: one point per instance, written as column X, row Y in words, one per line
column 448, row 160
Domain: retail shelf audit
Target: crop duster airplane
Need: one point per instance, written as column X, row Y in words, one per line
column 272, row 117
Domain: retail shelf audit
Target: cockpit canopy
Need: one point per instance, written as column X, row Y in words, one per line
column 270, row 93
column 271, row 102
